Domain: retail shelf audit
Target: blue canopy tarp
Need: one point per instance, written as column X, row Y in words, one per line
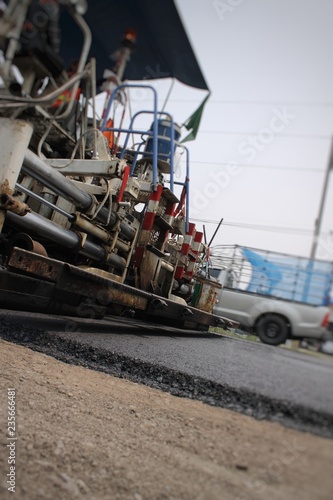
column 163, row 49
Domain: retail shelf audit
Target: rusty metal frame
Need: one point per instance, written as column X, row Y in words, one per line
column 74, row 282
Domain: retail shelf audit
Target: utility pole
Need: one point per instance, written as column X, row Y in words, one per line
column 322, row 205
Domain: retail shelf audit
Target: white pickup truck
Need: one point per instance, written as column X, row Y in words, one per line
column 273, row 295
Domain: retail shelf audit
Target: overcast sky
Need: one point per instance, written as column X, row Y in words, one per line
column 260, row 157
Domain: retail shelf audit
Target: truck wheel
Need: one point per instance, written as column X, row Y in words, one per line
column 272, row 329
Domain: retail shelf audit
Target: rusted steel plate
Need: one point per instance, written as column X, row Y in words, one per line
column 32, row 263
column 72, row 281
column 77, row 281
column 186, row 314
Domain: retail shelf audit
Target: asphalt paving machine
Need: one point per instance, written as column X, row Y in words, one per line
column 90, row 226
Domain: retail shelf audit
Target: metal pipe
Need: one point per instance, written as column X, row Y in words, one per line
column 51, row 231
column 125, row 230
column 54, row 180
column 45, row 99
column 23, row 240
column 102, row 234
column 167, row 266
column 14, row 35
column 87, row 227
column 116, row 261
column 123, row 247
column 59, row 184
column 93, row 95
column 87, row 38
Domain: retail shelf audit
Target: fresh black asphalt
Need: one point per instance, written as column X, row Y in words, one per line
column 263, row 381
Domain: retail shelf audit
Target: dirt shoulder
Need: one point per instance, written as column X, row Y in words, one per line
column 84, row 434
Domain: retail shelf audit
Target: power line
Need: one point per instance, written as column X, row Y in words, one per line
column 271, row 103
column 268, row 103
column 250, row 102
column 254, row 134
column 261, row 227
column 255, row 165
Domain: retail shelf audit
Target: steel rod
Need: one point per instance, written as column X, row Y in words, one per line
column 42, row 200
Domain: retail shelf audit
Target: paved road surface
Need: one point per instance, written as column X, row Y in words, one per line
column 277, row 373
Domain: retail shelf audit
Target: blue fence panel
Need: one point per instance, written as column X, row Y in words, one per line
column 287, row 277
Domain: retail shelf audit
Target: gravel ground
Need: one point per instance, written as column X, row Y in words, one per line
column 85, row 434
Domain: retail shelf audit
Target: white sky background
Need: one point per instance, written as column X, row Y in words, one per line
column 279, row 52
column 260, row 58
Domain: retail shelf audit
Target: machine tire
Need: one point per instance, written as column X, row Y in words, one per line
column 272, row 329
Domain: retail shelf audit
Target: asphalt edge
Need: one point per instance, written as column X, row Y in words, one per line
column 168, row 380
